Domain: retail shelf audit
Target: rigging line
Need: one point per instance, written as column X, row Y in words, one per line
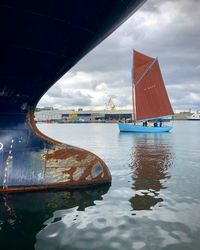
column 146, row 71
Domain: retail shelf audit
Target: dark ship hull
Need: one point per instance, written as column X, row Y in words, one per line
column 40, row 41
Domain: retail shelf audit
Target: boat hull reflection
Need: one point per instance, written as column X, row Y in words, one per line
column 151, row 160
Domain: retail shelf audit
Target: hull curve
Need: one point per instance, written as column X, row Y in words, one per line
column 40, row 41
column 46, row 163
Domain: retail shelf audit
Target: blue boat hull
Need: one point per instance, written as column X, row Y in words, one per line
column 127, row 127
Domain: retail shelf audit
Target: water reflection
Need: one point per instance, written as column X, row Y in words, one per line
column 151, row 158
column 23, row 215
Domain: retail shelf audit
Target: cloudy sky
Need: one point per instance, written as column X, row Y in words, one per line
column 169, row 30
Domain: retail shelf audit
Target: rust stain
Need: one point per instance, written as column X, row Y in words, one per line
column 64, row 153
column 67, row 165
column 74, row 165
column 65, row 185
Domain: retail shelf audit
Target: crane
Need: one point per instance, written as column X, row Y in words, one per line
column 110, row 104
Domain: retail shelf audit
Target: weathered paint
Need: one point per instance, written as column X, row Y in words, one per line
column 48, row 163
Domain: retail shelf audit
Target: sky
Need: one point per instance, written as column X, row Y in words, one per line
column 169, row 30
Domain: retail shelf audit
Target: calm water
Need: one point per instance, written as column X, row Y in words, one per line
column 153, row 202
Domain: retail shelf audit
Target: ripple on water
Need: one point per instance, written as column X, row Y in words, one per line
column 153, row 203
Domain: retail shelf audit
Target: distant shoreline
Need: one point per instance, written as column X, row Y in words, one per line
column 89, row 122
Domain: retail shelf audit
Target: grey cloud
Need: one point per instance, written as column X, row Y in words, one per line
column 55, row 91
column 174, row 38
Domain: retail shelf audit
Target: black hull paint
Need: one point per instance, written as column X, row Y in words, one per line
column 40, row 41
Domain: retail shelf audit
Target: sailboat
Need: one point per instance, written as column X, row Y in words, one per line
column 151, row 104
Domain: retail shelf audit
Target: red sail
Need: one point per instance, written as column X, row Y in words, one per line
column 151, row 97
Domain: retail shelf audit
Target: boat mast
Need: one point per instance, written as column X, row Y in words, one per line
column 134, row 104
column 133, row 94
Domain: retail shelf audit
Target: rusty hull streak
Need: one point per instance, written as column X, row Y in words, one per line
column 63, row 154
column 54, row 186
column 70, row 166
column 75, row 165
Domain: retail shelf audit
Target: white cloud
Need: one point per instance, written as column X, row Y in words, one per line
column 195, row 97
column 101, row 87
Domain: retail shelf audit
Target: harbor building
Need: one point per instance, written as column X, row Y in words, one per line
column 64, row 116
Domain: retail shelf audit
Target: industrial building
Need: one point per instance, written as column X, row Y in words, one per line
column 62, row 116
